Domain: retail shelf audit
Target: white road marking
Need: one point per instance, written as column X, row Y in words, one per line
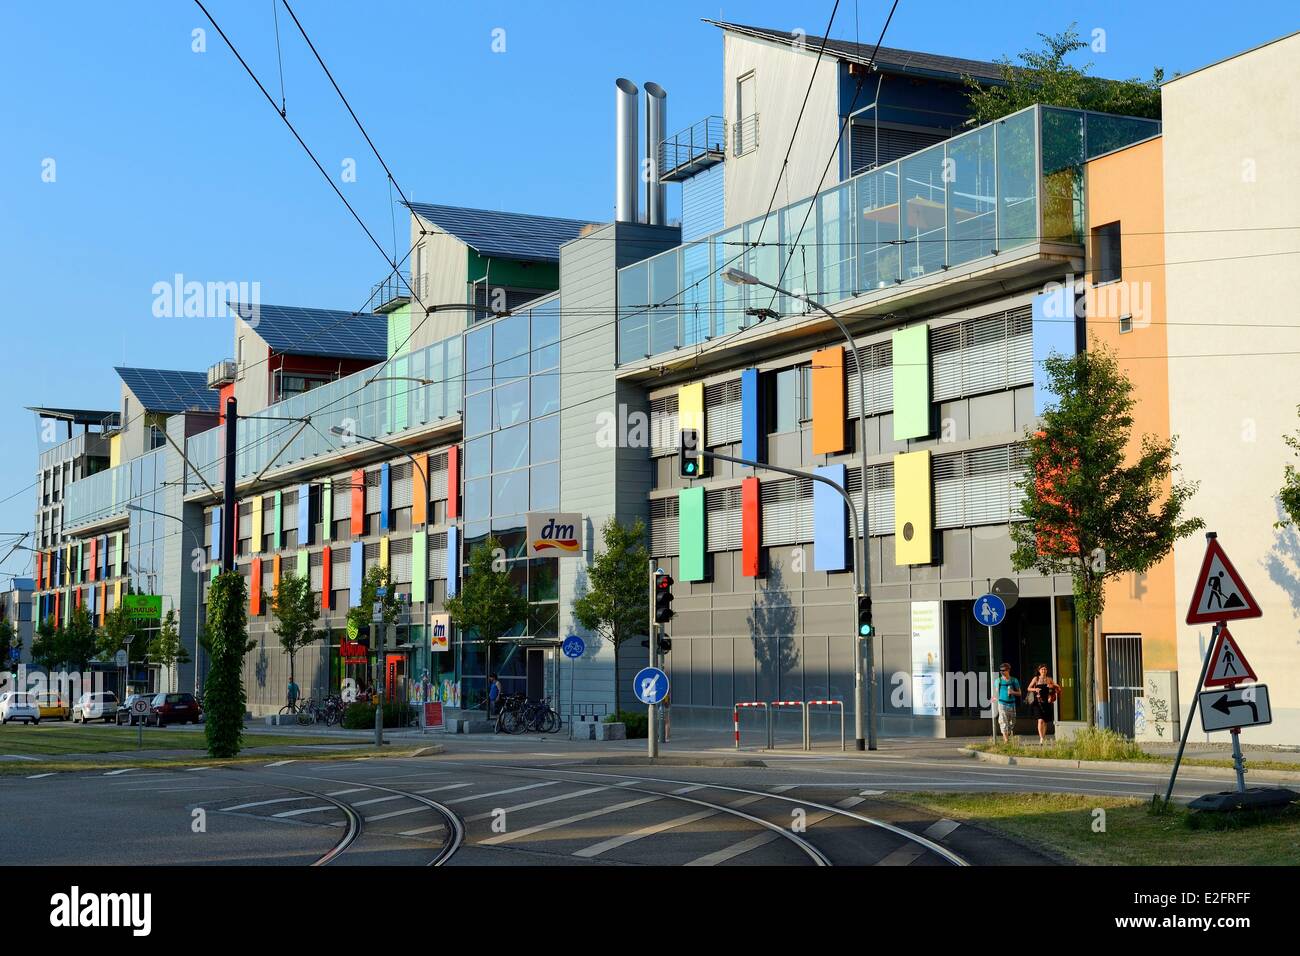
column 196, row 769
column 397, row 813
column 499, row 793
column 576, row 818
column 690, row 789
column 940, row 829
column 871, row 793
column 537, row 803
column 114, row 773
column 450, row 786
column 263, row 803
column 280, row 763
column 302, row 810
column 596, row 849
column 38, row 776
column 17, row 757
column 339, row 793
column 736, row 849
column 366, row 803
column 420, row 830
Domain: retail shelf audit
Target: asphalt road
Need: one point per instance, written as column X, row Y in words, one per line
column 541, row 801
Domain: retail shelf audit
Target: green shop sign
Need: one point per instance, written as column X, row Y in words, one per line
column 143, row 607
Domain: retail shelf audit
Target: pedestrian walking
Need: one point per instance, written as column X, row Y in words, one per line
column 1008, row 692
column 1044, row 692
column 494, row 694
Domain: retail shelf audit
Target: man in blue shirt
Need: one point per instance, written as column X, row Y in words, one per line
column 1008, row 690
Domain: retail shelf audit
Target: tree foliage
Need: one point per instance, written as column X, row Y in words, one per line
column 1096, row 506
column 376, row 577
column 112, row 637
column 294, row 607
column 166, row 649
column 47, row 651
column 9, row 641
column 1043, row 76
column 226, row 641
column 1290, row 492
column 616, row 602
column 77, row 640
column 488, row 603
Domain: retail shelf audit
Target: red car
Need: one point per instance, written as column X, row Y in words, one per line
column 174, row 709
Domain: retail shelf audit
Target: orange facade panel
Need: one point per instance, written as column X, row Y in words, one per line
column 420, row 490
column 255, row 588
column 829, row 411
column 359, row 502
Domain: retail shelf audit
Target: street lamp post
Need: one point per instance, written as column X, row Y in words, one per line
column 424, row 473
column 867, row 740
column 198, row 586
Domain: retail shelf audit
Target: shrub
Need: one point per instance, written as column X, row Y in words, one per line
column 636, row 724
column 359, row 716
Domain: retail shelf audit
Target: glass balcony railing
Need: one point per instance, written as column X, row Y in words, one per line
column 1010, row 183
column 394, row 402
column 106, row 494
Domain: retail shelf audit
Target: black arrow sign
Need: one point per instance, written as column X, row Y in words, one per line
column 1223, row 706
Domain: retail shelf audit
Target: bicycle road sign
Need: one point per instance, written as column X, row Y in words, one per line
column 650, row 685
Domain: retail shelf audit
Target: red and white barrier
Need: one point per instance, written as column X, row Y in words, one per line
column 735, row 717
column 807, row 724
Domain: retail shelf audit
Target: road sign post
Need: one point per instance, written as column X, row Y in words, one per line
column 573, row 648
column 990, row 610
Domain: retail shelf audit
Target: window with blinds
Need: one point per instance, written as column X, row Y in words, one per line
column 289, row 500
column 722, row 509
column 786, row 509
column 438, row 555
column 722, row 415
column 314, row 561
column 371, row 553
column 438, row 476
column 399, row 561
column 403, row 487
column 877, row 362
column 663, row 426
column 978, row 487
column 342, row 497
column 985, row 354
column 663, row 526
column 245, row 521
column 372, row 491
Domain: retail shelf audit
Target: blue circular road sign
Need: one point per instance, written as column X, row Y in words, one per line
column 990, row 610
column 573, row 646
column 650, row 685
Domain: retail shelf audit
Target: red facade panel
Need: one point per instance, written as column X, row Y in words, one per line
column 749, row 527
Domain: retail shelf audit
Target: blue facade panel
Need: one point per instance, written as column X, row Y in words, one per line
column 750, row 420
column 830, row 522
column 453, row 560
column 385, row 495
column 216, row 533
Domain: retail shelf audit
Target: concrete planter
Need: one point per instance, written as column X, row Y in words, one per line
column 610, row 731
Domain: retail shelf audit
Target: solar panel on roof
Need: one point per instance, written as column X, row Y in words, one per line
column 296, row 330
column 510, row 235
column 168, row 390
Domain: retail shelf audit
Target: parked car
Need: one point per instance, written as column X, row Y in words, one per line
column 19, row 706
column 124, row 715
column 53, row 706
column 174, row 709
column 99, row 706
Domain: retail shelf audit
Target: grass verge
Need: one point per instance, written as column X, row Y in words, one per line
column 59, row 741
column 1106, row 745
column 1126, row 832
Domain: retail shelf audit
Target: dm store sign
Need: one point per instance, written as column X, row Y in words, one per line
column 439, row 628
column 554, row 535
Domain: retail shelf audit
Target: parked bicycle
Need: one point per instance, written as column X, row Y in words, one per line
column 331, row 711
column 520, row 715
column 305, row 710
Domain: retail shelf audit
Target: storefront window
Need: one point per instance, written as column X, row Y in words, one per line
column 1069, row 661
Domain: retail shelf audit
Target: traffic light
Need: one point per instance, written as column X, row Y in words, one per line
column 665, row 644
column 865, row 628
column 689, row 462
column 663, row 598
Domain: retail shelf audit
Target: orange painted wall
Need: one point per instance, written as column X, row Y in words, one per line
column 1128, row 186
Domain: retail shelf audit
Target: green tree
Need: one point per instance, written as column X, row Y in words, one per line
column 113, row 637
column 47, row 649
column 1043, row 76
column 488, row 603
column 78, row 640
column 376, row 577
column 166, row 649
column 1290, row 493
column 226, row 641
column 616, row 602
column 9, row 641
column 294, row 607
column 1091, row 512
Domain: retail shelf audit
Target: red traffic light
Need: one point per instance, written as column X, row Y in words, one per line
column 663, row 582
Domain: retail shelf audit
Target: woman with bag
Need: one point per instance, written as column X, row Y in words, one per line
column 1045, row 693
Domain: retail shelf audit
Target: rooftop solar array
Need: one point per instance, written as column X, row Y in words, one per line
column 334, row 333
column 164, row 390
column 507, row 235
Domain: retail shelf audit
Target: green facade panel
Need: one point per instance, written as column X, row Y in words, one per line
column 911, row 368
column 304, row 565
column 690, row 534
column 279, row 520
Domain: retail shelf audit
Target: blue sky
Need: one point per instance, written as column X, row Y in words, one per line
column 170, row 161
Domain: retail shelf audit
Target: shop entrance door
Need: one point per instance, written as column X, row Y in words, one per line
column 536, row 686
column 1124, row 678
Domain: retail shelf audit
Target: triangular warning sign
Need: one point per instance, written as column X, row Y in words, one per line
column 1220, row 594
column 1227, row 664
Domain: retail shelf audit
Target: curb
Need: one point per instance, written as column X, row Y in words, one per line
column 429, row 751
column 1215, row 773
column 631, row 761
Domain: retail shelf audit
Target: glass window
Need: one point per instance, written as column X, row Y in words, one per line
column 510, row 493
column 478, row 349
column 786, row 400
column 478, row 413
column 511, row 403
column 516, row 367
column 510, row 448
column 510, row 337
column 545, row 487
column 546, row 439
column 544, row 579
column 478, row 457
column 546, row 394
column 1106, row 253
column 478, row 504
column 546, row 357
column 546, row 324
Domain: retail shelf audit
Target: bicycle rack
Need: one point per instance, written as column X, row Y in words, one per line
column 807, row 725
column 771, row 745
column 735, row 718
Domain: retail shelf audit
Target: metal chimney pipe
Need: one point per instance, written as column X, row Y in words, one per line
column 625, row 97
column 656, row 131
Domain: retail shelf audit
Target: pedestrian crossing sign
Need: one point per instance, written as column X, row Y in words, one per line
column 1227, row 664
column 1220, row 594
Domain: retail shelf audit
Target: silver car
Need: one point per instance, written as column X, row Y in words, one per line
column 100, row 706
column 15, row 705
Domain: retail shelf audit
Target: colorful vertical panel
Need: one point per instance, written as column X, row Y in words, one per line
column 420, row 491
column 255, row 588
column 829, row 413
column 94, row 558
column 453, row 482
column 40, row 569
column 117, row 555
column 303, row 569
column 216, row 533
column 911, row 370
column 691, row 526
column 259, row 507
column 304, row 515
column 58, row 607
column 103, row 602
column 912, row 508
column 419, row 567
column 690, row 415
column 750, row 528
column 830, row 522
column 79, row 570
column 358, row 502
column 94, row 601
column 383, row 552
column 76, row 599
column 103, row 556
column 385, row 496
column 117, row 594
column 277, row 516
column 751, row 422
column 453, row 560
column 326, row 579
column 356, row 572
column 276, row 571
column 327, row 510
